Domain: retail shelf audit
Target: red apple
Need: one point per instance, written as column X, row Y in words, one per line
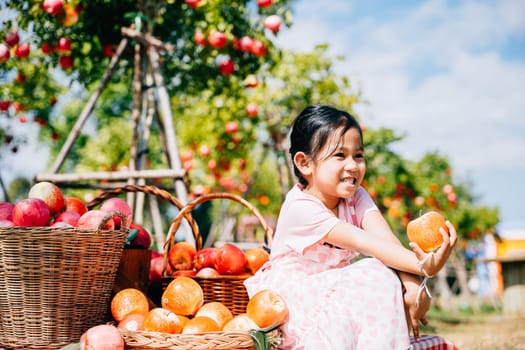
column 46, row 48
column 51, row 194
column 69, row 217
column 4, row 105
column 4, row 53
column 6, row 223
column 22, row 50
column 230, row 260
column 207, row 272
column 107, row 50
column 205, row 151
column 66, row 62
column 20, row 77
column 200, row 38
column 75, row 204
column 258, row 48
column 6, row 210
column 142, row 239
column 93, row 218
column 53, row 7
column 212, row 164
column 71, row 17
column 227, row 67
column 273, row 23
column 251, row 81
column 187, row 273
column 156, row 268
column 204, row 257
column 264, row 3
column 63, row 47
column 31, row 212
column 118, row 204
column 252, row 109
column 180, row 256
column 12, row 38
column 217, row 39
column 231, row 127
column 102, row 337
column 245, row 43
column 193, row 3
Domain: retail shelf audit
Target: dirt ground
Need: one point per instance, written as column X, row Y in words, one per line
column 481, row 332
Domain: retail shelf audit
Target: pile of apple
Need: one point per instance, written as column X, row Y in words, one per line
column 228, row 260
column 46, row 205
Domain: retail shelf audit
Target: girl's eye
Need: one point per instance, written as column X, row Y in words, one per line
column 360, row 155
column 340, row 155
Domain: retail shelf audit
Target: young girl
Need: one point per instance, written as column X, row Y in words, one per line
column 327, row 220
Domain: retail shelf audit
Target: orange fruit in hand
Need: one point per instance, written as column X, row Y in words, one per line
column 128, row 301
column 256, row 258
column 162, row 320
column 183, row 296
column 267, row 308
column 217, row 311
column 424, row 230
column 200, row 324
column 241, row 322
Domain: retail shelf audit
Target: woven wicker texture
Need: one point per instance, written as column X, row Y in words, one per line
column 55, row 282
column 228, row 290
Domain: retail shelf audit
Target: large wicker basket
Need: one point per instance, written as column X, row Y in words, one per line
column 228, row 290
column 55, row 282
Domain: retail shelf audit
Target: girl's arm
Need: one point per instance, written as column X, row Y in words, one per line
column 378, row 244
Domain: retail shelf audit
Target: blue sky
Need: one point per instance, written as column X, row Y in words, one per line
column 447, row 74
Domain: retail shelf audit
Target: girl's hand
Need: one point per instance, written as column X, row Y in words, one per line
column 433, row 263
column 415, row 309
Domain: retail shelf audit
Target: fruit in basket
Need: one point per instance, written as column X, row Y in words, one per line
column 183, row 295
column 93, row 218
column 199, row 325
column 31, row 212
column 6, row 211
column 132, row 322
column 204, row 257
column 156, row 268
column 6, row 223
column 207, row 272
column 118, row 204
column 142, row 238
column 230, row 260
column 51, row 194
column 241, row 322
column 128, row 301
column 267, row 308
column 75, row 204
column 188, row 273
column 425, row 230
column 180, row 256
column 256, row 258
column 70, row 217
column 162, row 320
column 217, row 311
column 102, row 337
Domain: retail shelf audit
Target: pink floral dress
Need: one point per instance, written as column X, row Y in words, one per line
column 334, row 303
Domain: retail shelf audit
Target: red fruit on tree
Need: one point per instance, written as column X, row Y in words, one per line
column 180, row 256
column 53, row 7
column 107, row 50
column 51, row 194
column 193, row 3
column 231, row 127
column 212, row 164
column 46, row 48
column 230, row 260
column 205, row 151
column 12, row 38
column 273, row 23
column 200, row 38
column 22, row 50
column 258, row 48
column 245, row 44
column 217, row 39
column 31, row 212
column 64, row 46
column 226, row 67
column 71, row 17
column 252, row 109
column 4, row 53
column 66, row 62
column 264, row 3
column 4, row 105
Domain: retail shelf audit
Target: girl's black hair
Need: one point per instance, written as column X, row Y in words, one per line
column 312, row 129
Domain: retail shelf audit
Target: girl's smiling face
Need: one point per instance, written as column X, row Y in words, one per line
column 338, row 170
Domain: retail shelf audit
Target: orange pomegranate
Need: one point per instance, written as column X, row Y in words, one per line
column 241, row 322
column 132, row 322
column 424, row 230
column 199, row 325
column 267, row 308
column 183, row 296
column 162, row 320
column 256, row 258
column 128, row 301
column 217, row 311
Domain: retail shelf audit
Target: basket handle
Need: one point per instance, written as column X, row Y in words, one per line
column 110, row 215
column 148, row 189
column 176, row 222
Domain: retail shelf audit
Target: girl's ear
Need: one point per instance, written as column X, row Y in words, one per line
column 303, row 163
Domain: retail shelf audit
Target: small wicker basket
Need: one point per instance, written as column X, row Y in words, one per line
column 228, row 290
column 55, row 282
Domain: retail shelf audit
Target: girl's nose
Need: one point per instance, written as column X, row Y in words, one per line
column 350, row 164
